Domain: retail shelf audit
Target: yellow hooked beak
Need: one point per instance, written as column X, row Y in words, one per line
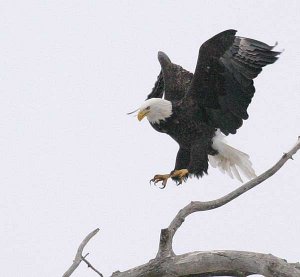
column 142, row 114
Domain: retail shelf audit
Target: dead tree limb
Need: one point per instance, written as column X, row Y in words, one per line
column 91, row 266
column 79, row 257
column 215, row 263
column 166, row 237
column 212, row 263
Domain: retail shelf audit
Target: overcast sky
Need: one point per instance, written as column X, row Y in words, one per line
column 72, row 160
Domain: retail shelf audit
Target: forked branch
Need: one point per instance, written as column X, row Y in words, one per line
column 215, row 263
column 79, row 257
column 212, row 263
column 166, row 238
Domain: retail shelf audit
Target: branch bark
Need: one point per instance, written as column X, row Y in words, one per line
column 214, row 263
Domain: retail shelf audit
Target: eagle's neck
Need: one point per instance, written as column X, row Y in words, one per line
column 161, row 109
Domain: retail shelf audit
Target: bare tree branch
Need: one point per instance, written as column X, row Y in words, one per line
column 78, row 257
column 90, row 266
column 214, row 263
column 166, row 237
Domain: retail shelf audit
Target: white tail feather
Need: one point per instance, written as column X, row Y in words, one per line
column 230, row 160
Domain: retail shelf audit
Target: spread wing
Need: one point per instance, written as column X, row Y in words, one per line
column 172, row 82
column 223, row 79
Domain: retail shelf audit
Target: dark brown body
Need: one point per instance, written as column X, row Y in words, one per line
column 194, row 136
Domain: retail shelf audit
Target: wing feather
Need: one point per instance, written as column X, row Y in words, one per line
column 172, row 82
column 158, row 89
column 223, row 79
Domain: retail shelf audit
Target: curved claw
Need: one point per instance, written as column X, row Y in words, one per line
column 163, row 184
column 160, row 178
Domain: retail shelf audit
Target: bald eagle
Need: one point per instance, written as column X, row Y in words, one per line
column 198, row 110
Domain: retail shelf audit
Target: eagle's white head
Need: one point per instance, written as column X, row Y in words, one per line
column 155, row 109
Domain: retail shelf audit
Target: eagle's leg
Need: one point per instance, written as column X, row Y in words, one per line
column 180, row 172
column 179, row 175
column 160, row 178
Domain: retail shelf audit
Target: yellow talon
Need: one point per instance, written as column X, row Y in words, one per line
column 179, row 176
column 160, row 178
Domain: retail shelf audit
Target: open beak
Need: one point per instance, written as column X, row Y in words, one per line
column 142, row 114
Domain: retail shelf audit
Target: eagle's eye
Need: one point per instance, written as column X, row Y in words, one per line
column 148, row 108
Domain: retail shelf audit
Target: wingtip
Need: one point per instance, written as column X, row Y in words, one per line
column 278, row 52
column 163, row 58
column 231, row 31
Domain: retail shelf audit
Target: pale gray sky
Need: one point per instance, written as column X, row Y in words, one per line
column 71, row 160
